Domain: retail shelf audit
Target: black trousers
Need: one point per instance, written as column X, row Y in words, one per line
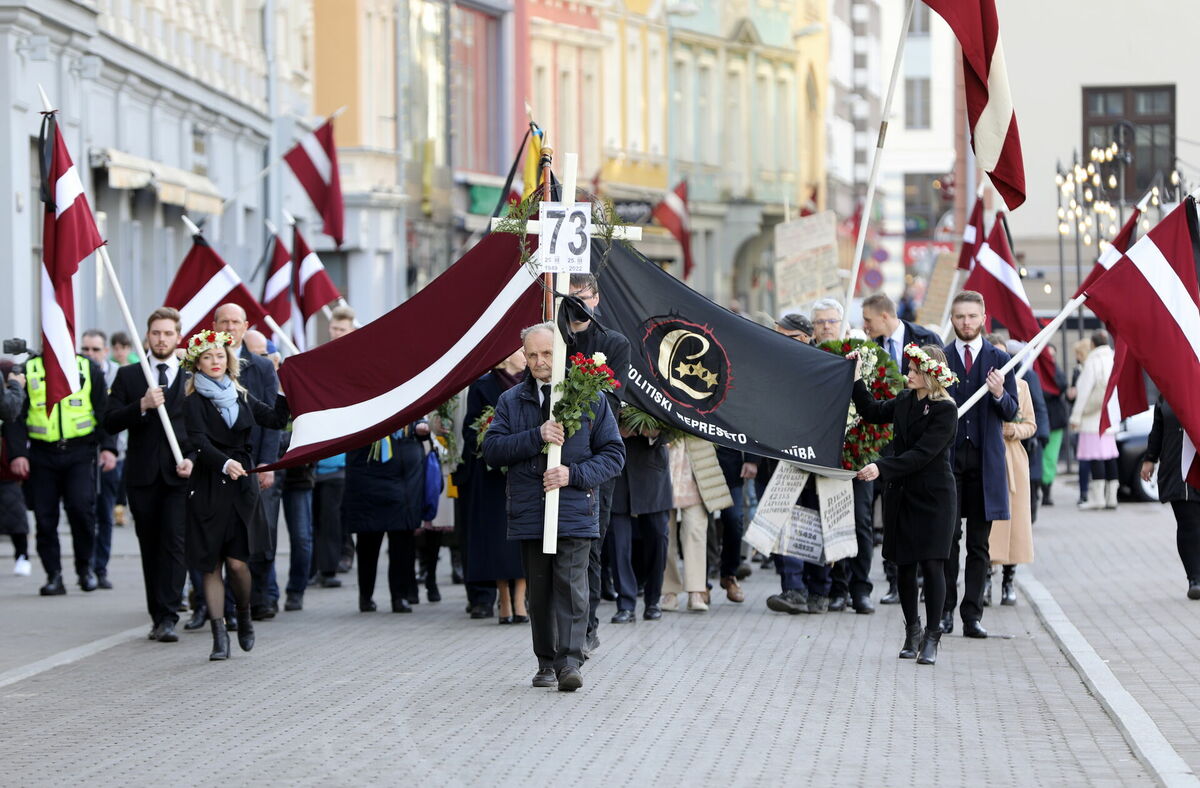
column 158, row 518
column 653, row 529
column 558, row 600
column 968, row 472
column 1187, row 536
column 402, row 575
column 732, row 532
column 66, row 475
column 852, row 576
column 327, row 525
column 478, row 594
column 595, row 554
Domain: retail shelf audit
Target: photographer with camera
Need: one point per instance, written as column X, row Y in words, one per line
column 55, row 449
column 13, row 521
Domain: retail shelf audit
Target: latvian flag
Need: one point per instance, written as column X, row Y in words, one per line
column 277, row 290
column 1126, row 392
column 314, row 161
column 205, row 282
column 672, row 213
column 995, row 276
column 69, row 235
column 1150, row 298
column 468, row 320
column 314, row 289
column 972, row 237
column 994, row 136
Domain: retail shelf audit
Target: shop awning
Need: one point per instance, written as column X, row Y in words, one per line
column 195, row 193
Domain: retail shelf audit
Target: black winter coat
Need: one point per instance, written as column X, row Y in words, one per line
column 644, row 486
column 920, row 501
column 1165, row 446
column 213, row 498
column 593, row 455
column 385, row 496
column 148, row 460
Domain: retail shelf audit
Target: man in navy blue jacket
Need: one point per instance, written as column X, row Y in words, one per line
column 979, row 461
column 558, row 582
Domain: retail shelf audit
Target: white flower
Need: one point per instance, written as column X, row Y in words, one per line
column 600, row 358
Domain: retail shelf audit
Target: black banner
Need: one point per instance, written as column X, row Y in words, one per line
column 699, row 367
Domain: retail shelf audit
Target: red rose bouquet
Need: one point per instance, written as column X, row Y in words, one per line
column 586, row 380
column 882, row 378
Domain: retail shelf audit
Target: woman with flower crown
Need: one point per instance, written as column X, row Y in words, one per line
column 225, row 524
column 919, row 492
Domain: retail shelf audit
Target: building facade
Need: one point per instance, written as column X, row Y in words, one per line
column 164, row 107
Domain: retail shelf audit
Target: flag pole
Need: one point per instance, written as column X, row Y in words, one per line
column 270, row 321
column 143, row 361
column 859, row 245
column 1037, row 342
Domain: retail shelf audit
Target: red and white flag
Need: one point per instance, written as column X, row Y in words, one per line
column 672, row 213
column 314, row 289
column 69, row 234
column 205, row 282
column 1150, row 298
column 314, row 161
column 972, row 237
column 1125, row 395
column 994, row 136
column 277, row 290
column 995, row 276
column 468, row 320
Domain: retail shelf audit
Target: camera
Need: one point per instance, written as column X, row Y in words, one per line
column 17, row 347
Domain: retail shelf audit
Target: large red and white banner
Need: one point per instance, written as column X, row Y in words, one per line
column 277, row 289
column 972, row 238
column 205, row 282
column 69, row 234
column 1150, row 298
column 672, row 213
column 314, row 289
column 994, row 136
column 314, row 161
column 406, row 363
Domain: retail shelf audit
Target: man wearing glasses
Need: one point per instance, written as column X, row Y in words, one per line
column 94, row 345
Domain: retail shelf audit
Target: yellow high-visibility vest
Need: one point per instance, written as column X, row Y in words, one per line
column 70, row 418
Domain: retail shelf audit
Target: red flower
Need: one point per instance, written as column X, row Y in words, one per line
column 212, row 336
column 616, row 384
column 845, row 347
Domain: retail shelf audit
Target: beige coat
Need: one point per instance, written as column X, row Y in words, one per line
column 1012, row 540
column 1090, row 388
column 706, row 470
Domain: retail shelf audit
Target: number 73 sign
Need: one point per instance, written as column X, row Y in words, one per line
column 565, row 240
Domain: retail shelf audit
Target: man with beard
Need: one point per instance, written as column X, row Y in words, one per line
column 156, row 486
column 978, row 456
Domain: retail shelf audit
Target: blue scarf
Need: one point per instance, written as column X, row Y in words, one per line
column 221, row 392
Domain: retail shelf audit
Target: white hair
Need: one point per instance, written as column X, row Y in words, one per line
column 547, row 326
column 827, row 303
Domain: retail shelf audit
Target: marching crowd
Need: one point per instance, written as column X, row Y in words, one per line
column 635, row 501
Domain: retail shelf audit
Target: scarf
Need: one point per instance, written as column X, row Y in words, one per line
column 221, row 393
column 506, row 380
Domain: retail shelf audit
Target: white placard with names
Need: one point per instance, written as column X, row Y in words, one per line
column 565, row 240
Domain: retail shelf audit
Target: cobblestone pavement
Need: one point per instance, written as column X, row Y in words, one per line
column 1118, row 577
column 738, row 696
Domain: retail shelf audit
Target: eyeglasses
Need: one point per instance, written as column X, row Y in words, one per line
column 826, row 322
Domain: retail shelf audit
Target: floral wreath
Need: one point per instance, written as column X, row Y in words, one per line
column 930, row 367
column 202, row 342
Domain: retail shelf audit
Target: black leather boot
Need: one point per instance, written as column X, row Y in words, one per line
column 912, row 640
column 1008, row 594
column 987, row 591
column 1046, row 495
column 220, row 640
column 929, row 646
column 245, row 629
column 199, row 616
column 892, row 597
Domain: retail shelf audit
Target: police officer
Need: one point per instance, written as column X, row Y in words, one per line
column 55, row 450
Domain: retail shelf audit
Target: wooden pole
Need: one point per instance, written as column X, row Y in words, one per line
column 143, row 362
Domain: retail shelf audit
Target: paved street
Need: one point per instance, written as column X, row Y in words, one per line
column 740, row 696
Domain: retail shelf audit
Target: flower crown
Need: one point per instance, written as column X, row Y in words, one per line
column 202, row 342
column 929, row 366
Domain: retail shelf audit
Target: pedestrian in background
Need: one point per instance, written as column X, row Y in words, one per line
column 1057, row 415
column 1165, row 447
column 94, row 344
column 13, row 521
column 1098, row 450
column 1080, row 351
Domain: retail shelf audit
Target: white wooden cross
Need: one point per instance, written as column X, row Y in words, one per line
column 551, row 237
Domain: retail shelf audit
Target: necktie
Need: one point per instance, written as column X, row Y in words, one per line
column 968, row 360
column 162, row 375
column 546, row 401
column 892, row 350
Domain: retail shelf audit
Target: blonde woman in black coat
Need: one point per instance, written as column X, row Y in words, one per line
column 225, row 524
column 920, row 500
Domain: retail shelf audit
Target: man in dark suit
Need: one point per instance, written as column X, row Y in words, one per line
column 258, row 376
column 642, row 502
column 156, row 486
column 979, row 460
column 882, row 323
column 591, row 337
